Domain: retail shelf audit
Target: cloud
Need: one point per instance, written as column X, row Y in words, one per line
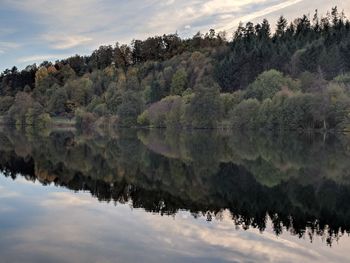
column 94, row 22
column 38, row 228
column 260, row 13
column 6, row 193
column 41, row 58
column 218, row 14
column 66, row 42
column 227, row 6
column 133, row 235
column 5, row 46
column 81, row 26
column 66, row 199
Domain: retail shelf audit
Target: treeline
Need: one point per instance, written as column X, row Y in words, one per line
column 317, row 45
column 293, row 78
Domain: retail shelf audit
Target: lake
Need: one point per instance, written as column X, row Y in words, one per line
column 162, row 196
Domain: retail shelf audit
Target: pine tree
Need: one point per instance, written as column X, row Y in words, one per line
column 281, row 27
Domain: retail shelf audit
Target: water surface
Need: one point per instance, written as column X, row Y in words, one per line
column 157, row 196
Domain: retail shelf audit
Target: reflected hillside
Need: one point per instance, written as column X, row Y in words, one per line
column 301, row 182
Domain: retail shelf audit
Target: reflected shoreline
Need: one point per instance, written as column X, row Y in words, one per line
column 301, row 183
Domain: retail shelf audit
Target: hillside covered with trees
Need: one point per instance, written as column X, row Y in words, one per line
column 294, row 76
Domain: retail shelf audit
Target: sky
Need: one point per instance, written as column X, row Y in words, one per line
column 32, row 31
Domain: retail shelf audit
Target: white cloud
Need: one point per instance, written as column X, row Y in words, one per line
column 6, row 193
column 41, row 58
column 65, row 42
column 260, row 13
column 94, row 22
column 226, row 6
column 217, row 14
column 66, row 199
column 93, row 226
column 7, row 46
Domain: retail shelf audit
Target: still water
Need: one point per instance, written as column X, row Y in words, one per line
column 158, row 196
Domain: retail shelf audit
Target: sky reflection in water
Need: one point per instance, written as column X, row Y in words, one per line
column 43, row 222
column 49, row 223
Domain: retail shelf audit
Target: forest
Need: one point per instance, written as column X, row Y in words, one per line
column 291, row 76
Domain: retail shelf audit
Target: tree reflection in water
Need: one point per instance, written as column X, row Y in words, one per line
column 302, row 183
